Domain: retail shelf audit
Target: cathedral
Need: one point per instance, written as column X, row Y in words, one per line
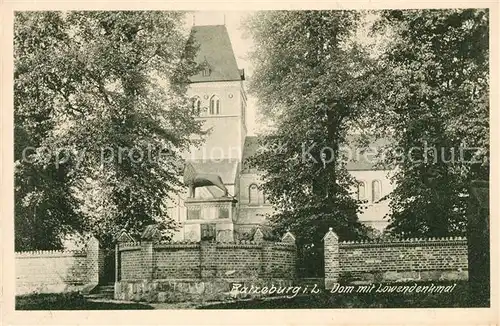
column 219, row 99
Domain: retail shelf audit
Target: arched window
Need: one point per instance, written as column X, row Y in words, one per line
column 253, row 194
column 361, row 190
column 376, row 190
column 206, row 71
column 196, row 105
column 214, row 105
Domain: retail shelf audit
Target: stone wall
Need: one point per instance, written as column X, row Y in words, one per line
column 394, row 261
column 56, row 271
column 178, row 271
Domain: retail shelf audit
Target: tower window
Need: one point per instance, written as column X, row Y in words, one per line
column 206, row 71
column 206, row 68
column 196, row 105
column 376, row 190
column 215, row 105
column 253, row 194
column 361, row 190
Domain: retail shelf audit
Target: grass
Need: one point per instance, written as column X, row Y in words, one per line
column 70, row 301
column 458, row 298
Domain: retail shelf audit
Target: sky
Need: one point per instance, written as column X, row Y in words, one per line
column 241, row 43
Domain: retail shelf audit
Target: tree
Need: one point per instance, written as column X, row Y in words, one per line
column 434, row 99
column 311, row 79
column 101, row 96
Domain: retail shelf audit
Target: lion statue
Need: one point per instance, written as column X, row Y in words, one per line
column 193, row 180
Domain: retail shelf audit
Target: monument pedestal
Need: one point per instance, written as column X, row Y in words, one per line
column 210, row 219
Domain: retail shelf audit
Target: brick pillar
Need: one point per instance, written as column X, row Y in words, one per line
column 117, row 262
column 258, row 236
column 147, row 259
column 121, row 237
column 288, row 238
column 149, row 236
column 93, row 265
column 478, row 243
column 208, row 259
column 331, row 252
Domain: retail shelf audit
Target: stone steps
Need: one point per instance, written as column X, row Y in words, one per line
column 102, row 291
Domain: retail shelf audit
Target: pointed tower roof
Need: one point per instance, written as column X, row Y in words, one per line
column 215, row 50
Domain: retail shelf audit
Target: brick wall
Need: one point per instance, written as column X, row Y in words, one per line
column 177, row 261
column 131, row 261
column 393, row 261
column 235, row 260
column 195, row 260
column 58, row 271
column 213, row 264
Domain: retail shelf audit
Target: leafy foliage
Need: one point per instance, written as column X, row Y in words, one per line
column 420, row 80
column 102, row 89
column 311, row 79
column 434, row 101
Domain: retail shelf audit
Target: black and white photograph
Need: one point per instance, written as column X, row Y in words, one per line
column 251, row 159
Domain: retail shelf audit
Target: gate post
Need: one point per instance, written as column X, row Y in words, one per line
column 117, row 262
column 121, row 237
column 94, row 262
column 150, row 235
column 331, row 253
column 478, row 242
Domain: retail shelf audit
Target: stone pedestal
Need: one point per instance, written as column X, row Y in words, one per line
column 210, row 217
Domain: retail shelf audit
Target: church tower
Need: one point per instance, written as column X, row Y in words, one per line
column 219, row 102
column 218, row 96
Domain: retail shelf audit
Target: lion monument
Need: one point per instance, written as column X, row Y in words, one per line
column 193, row 180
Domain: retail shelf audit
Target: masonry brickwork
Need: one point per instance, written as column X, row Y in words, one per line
column 56, row 271
column 394, row 261
column 203, row 270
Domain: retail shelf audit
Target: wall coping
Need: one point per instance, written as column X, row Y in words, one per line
column 218, row 244
column 130, row 248
column 50, row 253
column 406, row 242
column 205, row 280
column 177, row 245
